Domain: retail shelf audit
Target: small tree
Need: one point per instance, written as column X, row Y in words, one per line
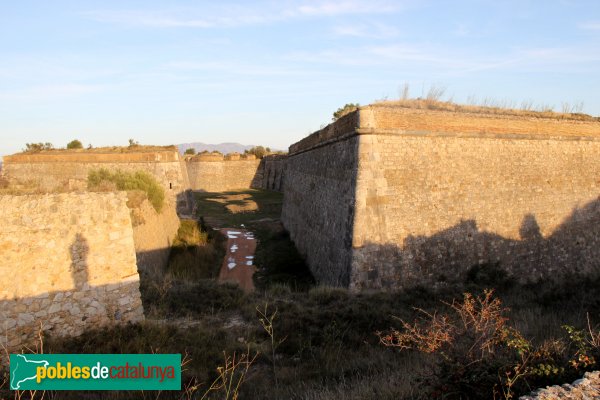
column 191, row 151
column 347, row 109
column 35, row 147
column 74, row 144
column 133, row 143
column 258, row 151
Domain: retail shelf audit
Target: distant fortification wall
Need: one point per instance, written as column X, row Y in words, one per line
column 273, row 171
column 69, row 170
column 438, row 192
column 212, row 173
column 68, row 262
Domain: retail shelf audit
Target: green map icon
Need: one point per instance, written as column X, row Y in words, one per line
column 23, row 369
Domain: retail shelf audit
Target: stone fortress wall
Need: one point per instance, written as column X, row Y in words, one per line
column 84, row 250
column 215, row 173
column 69, row 264
column 69, row 170
column 434, row 193
column 206, row 172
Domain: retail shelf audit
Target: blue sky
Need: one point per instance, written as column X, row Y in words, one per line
column 271, row 72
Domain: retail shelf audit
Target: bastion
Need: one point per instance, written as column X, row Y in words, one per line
column 65, row 170
column 69, row 264
column 395, row 197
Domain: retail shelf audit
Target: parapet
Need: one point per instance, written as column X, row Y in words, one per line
column 214, row 157
column 207, row 157
column 232, row 157
column 390, row 118
column 93, row 157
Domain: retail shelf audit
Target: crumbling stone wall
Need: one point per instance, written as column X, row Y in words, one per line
column 68, row 264
column 438, row 192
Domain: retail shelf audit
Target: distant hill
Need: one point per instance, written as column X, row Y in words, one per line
column 222, row 147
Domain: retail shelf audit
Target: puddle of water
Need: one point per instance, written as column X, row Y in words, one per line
column 241, row 245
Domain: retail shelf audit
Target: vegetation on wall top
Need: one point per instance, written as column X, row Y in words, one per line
column 105, row 180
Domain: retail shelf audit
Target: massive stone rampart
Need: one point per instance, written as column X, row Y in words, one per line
column 319, row 202
column 69, row 264
column 213, row 173
column 438, row 192
column 69, row 170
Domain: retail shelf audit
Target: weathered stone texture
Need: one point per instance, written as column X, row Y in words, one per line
column 273, row 172
column 69, row 171
column 153, row 234
column 440, row 192
column 429, row 208
column 69, row 263
column 318, row 207
column 223, row 175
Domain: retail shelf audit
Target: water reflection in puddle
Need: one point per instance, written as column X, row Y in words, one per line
column 238, row 266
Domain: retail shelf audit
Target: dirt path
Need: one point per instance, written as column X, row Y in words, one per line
column 238, row 265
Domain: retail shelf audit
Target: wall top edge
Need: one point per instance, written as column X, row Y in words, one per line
column 158, row 156
column 389, row 120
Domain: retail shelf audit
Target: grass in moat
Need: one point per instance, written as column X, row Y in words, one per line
column 212, row 207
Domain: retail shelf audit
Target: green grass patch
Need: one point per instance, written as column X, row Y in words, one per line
column 102, row 179
column 196, row 253
column 212, row 207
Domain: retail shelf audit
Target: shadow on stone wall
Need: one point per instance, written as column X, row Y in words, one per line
column 79, row 250
column 185, row 203
column 269, row 174
column 572, row 250
column 68, row 312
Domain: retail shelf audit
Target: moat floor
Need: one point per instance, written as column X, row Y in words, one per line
column 238, row 264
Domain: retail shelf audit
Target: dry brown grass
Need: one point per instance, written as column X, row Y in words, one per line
column 110, row 149
column 432, row 103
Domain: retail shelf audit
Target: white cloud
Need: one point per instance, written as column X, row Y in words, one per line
column 233, row 16
column 374, row 31
column 331, row 8
column 590, row 26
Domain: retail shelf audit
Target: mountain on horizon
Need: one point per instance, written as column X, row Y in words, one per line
column 222, row 147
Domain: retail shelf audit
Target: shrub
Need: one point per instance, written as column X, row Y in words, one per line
column 74, row 144
column 191, row 151
column 139, row 180
column 258, row 151
column 37, row 147
column 347, row 109
column 479, row 356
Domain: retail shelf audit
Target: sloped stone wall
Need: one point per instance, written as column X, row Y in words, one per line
column 430, row 194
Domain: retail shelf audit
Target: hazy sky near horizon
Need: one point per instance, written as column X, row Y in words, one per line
column 271, row 72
